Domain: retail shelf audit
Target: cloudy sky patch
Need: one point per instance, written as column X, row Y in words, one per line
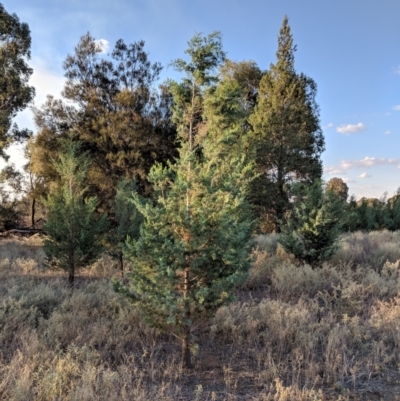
column 348, row 129
column 103, row 44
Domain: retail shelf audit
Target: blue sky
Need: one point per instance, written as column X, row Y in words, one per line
column 351, row 48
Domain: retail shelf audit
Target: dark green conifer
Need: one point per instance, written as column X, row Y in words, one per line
column 289, row 137
column 313, row 224
column 73, row 230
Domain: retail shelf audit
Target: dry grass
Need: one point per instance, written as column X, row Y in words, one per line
column 294, row 334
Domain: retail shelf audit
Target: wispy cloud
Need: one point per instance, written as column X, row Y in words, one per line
column 103, row 44
column 348, row 129
column 387, row 132
column 397, row 107
column 397, row 70
column 367, row 162
column 364, row 175
column 330, row 125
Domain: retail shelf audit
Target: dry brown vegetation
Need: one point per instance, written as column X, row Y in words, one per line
column 293, row 334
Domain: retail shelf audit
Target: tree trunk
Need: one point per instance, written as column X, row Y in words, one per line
column 71, row 277
column 71, row 269
column 121, row 263
column 186, row 357
column 280, row 209
column 33, row 210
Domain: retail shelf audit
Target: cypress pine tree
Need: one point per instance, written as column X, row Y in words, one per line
column 193, row 248
column 73, row 230
column 127, row 220
column 313, row 224
column 290, row 140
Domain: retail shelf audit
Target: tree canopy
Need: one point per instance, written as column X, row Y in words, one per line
column 15, row 93
column 288, row 134
column 122, row 122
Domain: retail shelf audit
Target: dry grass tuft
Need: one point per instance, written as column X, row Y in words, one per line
column 294, row 333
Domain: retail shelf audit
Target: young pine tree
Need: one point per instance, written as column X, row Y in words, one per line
column 73, row 229
column 194, row 243
column 313, row 224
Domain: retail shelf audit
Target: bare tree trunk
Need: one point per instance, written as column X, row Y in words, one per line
column 33, row 210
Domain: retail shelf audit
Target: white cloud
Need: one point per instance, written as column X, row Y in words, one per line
column 367, row 162
column 330, row 125
column 348, row 129
column 387, row 132
column 397, row 70
column 364, row 175
column 103, row 44
column 46, row 83
column 397, row 107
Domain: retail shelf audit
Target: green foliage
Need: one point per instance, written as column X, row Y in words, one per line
column 127, row 219
column 206, row 55
column 313, row 225
column 73, row 230
column 338, row 187
column 194, row 243
column 288, row 135
column 15, row 93
column 111, row 106
column 10, row 216
column 393, row 207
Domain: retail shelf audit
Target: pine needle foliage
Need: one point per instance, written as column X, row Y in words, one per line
column 195, row 239
column 313, row 225
column 288, row 133
column 73, row 229
column 127, row 220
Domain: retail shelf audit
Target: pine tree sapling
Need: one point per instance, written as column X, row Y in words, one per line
column 72, row 227
column 187, row 264
column 195, row 239
column 313, row 225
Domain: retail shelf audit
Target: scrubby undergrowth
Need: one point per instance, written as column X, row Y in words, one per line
column 294, row 333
